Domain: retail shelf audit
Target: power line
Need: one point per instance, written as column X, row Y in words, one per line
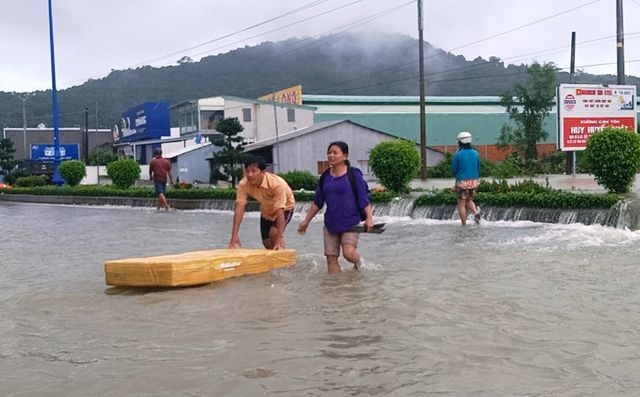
column 279, row 28
column 309, row 5
column 442, row 52
column 521, row 56
column 251, row 37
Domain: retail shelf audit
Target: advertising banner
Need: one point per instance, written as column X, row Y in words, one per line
column 150, row 120
column 291, row 95
column 584, row 109
column 45, row 152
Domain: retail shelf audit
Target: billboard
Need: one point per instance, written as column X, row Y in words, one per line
column 45, row 152
column 292, row 95
column 149, row 120
column 584, row 109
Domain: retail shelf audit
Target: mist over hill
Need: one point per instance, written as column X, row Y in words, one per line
column 345, row 64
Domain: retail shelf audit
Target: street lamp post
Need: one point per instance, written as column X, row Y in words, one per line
column 57, row 178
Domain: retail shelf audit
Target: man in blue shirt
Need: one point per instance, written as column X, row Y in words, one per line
column 466, row 167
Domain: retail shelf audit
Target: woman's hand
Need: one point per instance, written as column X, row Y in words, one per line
column 368, row 224
column 302, row 228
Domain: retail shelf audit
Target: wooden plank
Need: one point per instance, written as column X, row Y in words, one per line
column 193, row 268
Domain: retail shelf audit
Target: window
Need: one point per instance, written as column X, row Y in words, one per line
column 187, row 122
column 322, row 166
column 291, row 115
column 246, row 115
column 209, row 118
column 364, row 167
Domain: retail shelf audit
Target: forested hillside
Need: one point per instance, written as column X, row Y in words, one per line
column 372, row 64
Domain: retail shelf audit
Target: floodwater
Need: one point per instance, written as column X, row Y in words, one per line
column 499, row 309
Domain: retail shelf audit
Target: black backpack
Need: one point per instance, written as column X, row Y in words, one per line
column 351, row 174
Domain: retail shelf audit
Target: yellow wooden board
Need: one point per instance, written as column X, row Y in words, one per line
column 193, row 268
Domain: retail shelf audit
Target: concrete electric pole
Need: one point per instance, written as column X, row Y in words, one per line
column 423, row 121
column 620, row 40
column 25, row 148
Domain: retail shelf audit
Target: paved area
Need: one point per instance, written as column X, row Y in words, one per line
column 580, row 182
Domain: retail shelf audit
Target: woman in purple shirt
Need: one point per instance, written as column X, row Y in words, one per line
column 344, row 206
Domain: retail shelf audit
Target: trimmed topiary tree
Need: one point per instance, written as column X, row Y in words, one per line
column 73, row 171
column 124, row 173
column 300, row 180
column 395, row 163
column 613, row 156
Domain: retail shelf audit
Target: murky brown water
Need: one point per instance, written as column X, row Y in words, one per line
column 501, row 309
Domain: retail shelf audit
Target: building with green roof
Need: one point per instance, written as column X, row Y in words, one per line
column 483, row 116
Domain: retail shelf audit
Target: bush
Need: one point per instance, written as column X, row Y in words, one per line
column 123, row 173
column 613, row 155
column 102, row 156
column 31, row 181
column 487, row 168
column 395, row 163
column 443, row 168
column 300, row 180
column 511, row 167
column 73, row 171
column 182, row 185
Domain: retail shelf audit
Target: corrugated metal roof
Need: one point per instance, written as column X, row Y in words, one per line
column 393, row 100
column 303, row 131
column 176, row 153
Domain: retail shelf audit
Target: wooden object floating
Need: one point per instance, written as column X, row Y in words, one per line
column 193, row 268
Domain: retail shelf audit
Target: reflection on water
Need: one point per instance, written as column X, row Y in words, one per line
column 504, row 308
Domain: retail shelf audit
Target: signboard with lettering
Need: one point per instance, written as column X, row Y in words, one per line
column 292, row 95
column 46, row 153
column 584, row 109
column 149, row 120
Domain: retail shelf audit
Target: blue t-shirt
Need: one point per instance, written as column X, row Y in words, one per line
column 341, row 213
column 466, row 164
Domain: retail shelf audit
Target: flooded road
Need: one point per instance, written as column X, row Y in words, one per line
column 500, row 309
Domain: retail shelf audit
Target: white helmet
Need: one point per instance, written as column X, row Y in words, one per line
column 464, row 137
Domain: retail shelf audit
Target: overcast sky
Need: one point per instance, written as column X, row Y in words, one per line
column 92, row 37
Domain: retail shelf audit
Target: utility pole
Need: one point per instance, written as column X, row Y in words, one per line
column 276, row 168
column 620, row 41
column 423, row 121
column 85, row 137
column 571, row 160
column 573, row 57
column 25, row 149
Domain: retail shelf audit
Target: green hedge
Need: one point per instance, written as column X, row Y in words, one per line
column 525, row 194
column 498, row 194
column 300, row 180
column 30, row 181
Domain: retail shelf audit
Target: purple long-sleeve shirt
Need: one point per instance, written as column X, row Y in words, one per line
column 341, row 213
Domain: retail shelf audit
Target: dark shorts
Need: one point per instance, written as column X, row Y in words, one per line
column 265, row 224
column 467, row 189
column 161, row 187
column 464, row 194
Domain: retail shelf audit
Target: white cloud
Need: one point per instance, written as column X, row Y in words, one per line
column 93, row 37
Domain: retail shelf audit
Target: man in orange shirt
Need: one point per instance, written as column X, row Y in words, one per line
column 276, row 203
column 160, row 173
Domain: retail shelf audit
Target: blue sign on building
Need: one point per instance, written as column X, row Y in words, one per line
column 150, row 120
column 46, row 153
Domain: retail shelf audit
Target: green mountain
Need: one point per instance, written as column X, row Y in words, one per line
column 344, row 64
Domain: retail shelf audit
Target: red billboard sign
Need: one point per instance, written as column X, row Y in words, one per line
column 584, row 109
